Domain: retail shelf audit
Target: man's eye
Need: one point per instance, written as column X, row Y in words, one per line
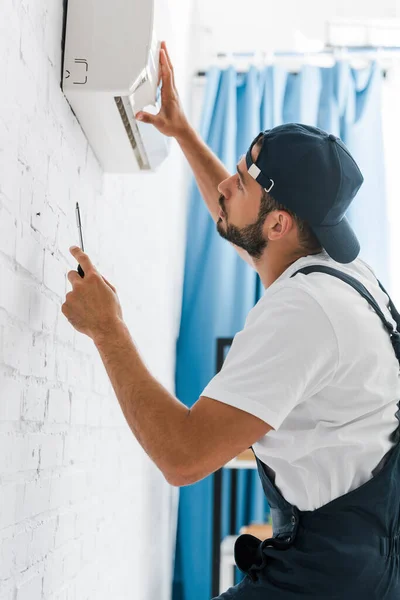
column 239, row 187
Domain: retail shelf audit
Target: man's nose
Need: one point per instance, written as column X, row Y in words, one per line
column 223, row 187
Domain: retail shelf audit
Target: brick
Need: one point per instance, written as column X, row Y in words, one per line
column 37, row 496
column 58, row 406
column 34, row 403
column 21, row 452
column 53, row 574
column 93, row 414
column 41, row 355
column 36, row 15
column 27, row 456
column 10, row 399
column 7, row 504
column 79, row 485
column 42, row 310
column 36, row 302
column 42, row 541
column 50, row 313
column 29, row 47
column 67, row 235
column 29, row 253
column 64, row 594
column 65, row 529
column 50, row 358
column 86, row 519
column 32, row 589
column 79, row 447
column 2, row 361
column 25, row 176
column 51, row 42
column 13, row 297
column 57, row 179
column 73, row 368
column 20, row 543
column 28, row 152
column 7, row 591
column 72, row 559
column 61, row 371
column 51, row 450
column 7, row 443
column 78, row 408
column 55, row 276
column 16, row 348
column 88, row 547
column 8, row 229
column 6, row 558
column 86, row 582
column 37, row 355
column 43, row 217
column 61, row 490
column 9, row 22
column 64, row 330
column 19, row 502
column 9, row 167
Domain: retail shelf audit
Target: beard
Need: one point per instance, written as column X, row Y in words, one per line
column 250, row 238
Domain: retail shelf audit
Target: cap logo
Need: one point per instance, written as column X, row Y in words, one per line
column 254, row 171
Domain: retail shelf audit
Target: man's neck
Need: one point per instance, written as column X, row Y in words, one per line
column 271, row 268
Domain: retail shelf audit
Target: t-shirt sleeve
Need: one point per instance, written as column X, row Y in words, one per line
column 286, row 352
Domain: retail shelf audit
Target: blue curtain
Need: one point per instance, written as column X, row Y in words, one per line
column 220, row 288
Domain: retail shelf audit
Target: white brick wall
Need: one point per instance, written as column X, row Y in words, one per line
column 81, row 504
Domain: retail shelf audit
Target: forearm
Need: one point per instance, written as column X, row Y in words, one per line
column 209, row 171
column 207, row 168
column 156, row 418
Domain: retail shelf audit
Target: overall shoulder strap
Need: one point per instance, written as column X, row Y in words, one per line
column 361, row 289
column 395, row 314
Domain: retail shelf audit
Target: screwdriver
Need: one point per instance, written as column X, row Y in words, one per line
column 79, row 224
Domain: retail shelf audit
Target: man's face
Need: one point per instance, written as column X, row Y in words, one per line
column 243, row 215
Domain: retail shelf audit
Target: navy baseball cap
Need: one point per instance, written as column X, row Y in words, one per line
column 312, row 173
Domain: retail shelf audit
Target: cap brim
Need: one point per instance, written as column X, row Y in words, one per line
column 339, row 241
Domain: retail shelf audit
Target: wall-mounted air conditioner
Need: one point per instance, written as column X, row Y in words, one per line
column 110, row 72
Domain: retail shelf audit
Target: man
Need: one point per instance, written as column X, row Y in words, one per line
column 311, row 382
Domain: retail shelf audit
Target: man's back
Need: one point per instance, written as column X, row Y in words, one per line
column 331, row 441
column 315, row 362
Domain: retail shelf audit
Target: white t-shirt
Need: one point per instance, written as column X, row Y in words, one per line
column 315, row 362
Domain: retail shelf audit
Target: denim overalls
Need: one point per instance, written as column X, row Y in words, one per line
column 347, row 549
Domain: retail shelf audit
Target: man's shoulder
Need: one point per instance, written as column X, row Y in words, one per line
column 320, row 284
column 302, row 295
column 288, row 299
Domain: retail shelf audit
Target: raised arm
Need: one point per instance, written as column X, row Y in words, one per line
column 207, row 168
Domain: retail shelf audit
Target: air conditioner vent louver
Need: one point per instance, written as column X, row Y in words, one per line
column 133, row 134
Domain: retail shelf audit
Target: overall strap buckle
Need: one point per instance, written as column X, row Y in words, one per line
column 249, row 555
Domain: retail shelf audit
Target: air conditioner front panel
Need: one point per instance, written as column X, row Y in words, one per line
column 107, row 43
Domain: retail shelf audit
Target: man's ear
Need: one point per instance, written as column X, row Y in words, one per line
column 281, row 221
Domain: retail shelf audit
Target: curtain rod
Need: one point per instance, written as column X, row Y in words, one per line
column 327, row 50
column 338, row 52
